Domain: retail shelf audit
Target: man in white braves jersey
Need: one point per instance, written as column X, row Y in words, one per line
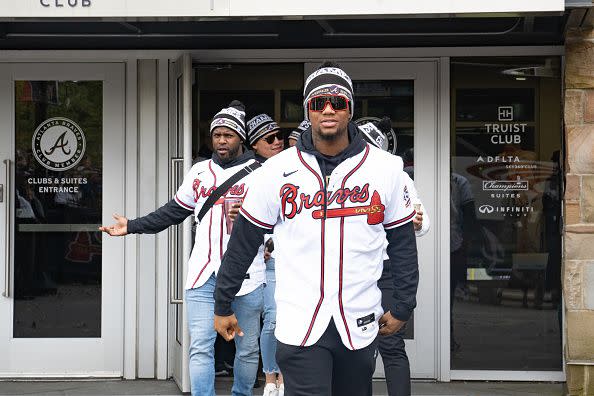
column 332, row 200
column 212, row 235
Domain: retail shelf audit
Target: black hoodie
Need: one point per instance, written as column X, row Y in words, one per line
column 172, row 213
column 247, row 237
column 329, row 163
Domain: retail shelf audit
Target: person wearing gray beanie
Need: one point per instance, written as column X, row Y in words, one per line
column 226, row 126
column 212, row 234
column 232, row 117
column 265, row 137
column 328, row 81
column 294, row 136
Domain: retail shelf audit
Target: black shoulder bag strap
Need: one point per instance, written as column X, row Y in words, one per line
column 223, row 188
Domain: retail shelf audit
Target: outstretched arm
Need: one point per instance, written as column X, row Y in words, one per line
column 167, row 215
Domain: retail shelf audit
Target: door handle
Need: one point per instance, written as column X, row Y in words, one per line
column 173, row 239
column 7, row 240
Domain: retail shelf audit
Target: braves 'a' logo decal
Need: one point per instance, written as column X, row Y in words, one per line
column 293, row 203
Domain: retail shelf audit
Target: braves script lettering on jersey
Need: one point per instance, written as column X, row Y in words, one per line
column 329, row 238
column 211, row 234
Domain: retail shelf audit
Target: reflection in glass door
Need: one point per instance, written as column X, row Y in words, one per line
column 506, row 181
column 65, row 305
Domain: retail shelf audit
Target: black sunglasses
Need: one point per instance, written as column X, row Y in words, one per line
column 318, row 103
column 270, row 138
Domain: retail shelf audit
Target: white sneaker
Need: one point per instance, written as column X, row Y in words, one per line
column 281, row 390
column 270, row 390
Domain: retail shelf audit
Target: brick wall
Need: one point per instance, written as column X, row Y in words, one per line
column 578, row 261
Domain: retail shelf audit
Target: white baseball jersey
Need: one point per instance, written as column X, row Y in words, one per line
column 212, row 235
column 329, row 259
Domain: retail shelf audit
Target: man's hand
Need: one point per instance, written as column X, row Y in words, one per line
column 234, row 211
column 267, row 255
column 418, row 220
column 120, row 228
column 389, row 324
column 227, row 327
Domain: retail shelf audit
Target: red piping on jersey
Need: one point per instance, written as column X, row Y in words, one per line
column 323, row 225
column 346, row 326
column 179, row 201
column 209, row 230
column 252, row 218
column 410, row 216
column 213, row 174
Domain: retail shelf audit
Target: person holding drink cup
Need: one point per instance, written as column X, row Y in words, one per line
column 209, row 190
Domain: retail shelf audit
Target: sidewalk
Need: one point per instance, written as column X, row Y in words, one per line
column 152, row 387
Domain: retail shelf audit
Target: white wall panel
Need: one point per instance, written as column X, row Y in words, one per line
column 387, row 7
column 213, row 8
column 147, row 125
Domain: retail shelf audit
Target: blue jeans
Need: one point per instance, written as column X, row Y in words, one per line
column 200, row 311
column 267, row 339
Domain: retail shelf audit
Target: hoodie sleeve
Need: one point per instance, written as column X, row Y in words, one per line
column 246, row 239
column 167, row 215
column 402, row 247
column 402, row 251
column 258, row 215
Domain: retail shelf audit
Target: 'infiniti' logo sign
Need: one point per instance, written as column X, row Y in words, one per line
column 486, row 209
column 506, row 210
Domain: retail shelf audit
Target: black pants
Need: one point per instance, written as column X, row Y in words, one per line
column 396, row 366
column 326, row 368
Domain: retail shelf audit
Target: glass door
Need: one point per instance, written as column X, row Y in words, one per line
column 506, row 188
column 406, row 92
column 63, row 158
